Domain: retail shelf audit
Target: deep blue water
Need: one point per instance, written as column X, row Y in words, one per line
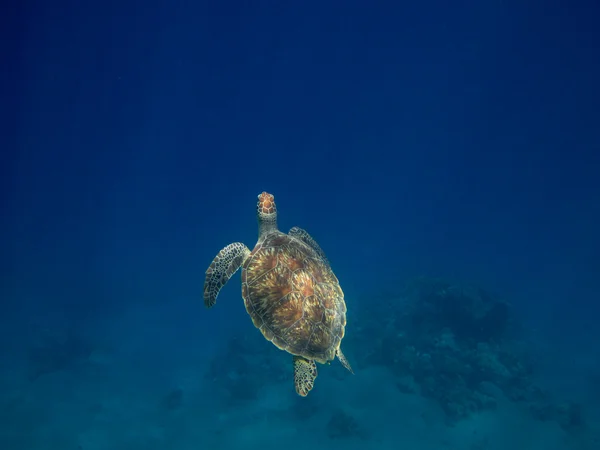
column 418, row 139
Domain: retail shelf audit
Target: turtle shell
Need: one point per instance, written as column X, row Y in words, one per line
column 294, row 298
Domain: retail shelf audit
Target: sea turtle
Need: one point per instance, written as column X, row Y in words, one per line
column 290, row 292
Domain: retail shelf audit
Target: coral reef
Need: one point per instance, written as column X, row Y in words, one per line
column 343, row 425
column 56, row 349
column 173, row 400
column 454, row 343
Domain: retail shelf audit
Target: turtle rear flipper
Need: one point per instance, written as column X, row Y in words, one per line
column 303, row 235
column 305, row 373
column 222, row 268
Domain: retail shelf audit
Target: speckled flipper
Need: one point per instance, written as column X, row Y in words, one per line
column 344, row 361
column 301, row 234
column 305, row 373
column 225, row 264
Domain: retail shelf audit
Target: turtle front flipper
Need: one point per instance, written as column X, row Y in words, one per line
column 301, row 234
column 305, row 373
column 222, row 268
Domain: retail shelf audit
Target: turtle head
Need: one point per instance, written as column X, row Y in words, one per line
column 266, row 213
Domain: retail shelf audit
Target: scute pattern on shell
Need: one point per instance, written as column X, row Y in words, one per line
column 294, row 298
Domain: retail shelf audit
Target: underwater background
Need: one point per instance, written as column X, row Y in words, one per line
column 445, row 155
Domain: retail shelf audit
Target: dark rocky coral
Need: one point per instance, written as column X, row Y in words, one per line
column 468, row 311
column 343, row 425
column 173, row 400
column 568, row 415
column 54, row 350
column 306, row 408
column 458, row 342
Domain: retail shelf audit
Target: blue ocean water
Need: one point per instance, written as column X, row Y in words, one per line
column 446, row 157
